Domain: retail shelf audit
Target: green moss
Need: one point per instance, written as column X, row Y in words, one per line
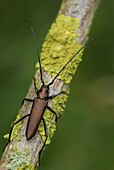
column 59, row 46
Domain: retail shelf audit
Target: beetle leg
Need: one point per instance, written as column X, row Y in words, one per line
column 45, row 128
column 15, row 124
column 49, row 108
column 29, row 100
column 53, row 96
column 46, row 134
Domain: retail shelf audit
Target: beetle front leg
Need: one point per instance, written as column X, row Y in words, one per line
column 53, row 96
column 29, row 100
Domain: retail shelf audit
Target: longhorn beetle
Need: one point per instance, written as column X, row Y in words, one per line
column 40, row 103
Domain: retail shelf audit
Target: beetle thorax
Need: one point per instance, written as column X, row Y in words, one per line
column 43, row 92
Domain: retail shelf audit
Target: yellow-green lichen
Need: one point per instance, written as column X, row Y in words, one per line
column 16, row 128
column 6, row 136
column 18, row 161
column 59, row 46
column 50, row 125
column 59, row 103
column 58, row 106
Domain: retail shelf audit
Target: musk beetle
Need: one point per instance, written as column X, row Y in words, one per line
column 40, row 103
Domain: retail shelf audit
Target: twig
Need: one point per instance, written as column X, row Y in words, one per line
column 65, row 37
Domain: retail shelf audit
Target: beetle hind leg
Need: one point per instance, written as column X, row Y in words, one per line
column 46, row 134
column 16, row 122
column 49, row 108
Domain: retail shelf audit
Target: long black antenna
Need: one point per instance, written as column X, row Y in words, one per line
column 72, row 59
column 36, row 44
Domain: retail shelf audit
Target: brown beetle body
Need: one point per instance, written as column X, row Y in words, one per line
column 37, row 111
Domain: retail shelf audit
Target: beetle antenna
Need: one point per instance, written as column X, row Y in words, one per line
column 88, row 42
column 36, row 45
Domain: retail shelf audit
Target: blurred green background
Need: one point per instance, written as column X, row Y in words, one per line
column 84, row 139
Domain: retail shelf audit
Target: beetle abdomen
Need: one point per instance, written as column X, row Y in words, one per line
column 35, row 117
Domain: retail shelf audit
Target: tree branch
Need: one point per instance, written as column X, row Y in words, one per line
column 63, row 40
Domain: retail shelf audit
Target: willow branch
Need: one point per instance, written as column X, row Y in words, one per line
column 64, row 39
